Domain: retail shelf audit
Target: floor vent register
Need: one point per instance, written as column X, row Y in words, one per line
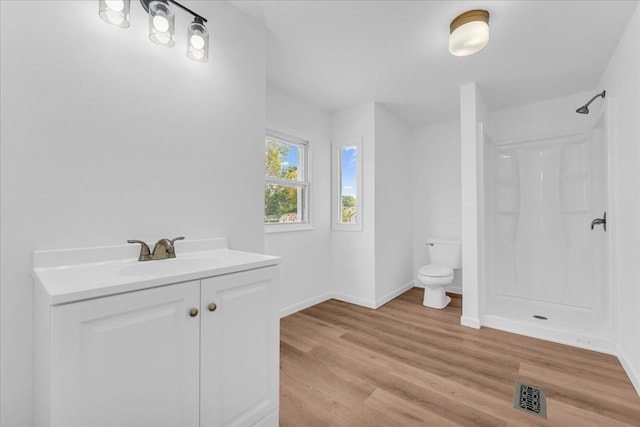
column 530, row 399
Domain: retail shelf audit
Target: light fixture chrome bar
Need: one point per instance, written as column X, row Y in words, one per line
column 188, row 10
column 145, row 5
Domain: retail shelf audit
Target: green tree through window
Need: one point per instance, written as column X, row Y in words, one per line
column 281, row 163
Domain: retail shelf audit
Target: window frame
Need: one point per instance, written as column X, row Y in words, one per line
column 287, row 136
column 336, row 187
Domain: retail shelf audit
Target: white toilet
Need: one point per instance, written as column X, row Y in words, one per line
column 445, row 255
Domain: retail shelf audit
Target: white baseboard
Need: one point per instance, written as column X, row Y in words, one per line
column 391, row 295
column 601, row 345
column 354, row 300
column 294, row 308
column 363, row 302
column 454, row 289
column 470, row 322
column 633, row 375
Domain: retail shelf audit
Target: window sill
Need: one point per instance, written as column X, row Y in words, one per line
column 347, row 227
column 285, row 228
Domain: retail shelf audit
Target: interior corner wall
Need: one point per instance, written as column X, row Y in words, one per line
column 621, row 80
column 435, row 162
column 107, row 137
column 305, row 276
column 353, row 252
column 394, row 210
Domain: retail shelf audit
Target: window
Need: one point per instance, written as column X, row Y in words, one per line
column 286, row 188
column 347, row 185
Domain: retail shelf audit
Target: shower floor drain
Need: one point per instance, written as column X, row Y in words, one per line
column 530, row 399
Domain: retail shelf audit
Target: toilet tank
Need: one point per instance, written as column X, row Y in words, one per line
column 445, row 252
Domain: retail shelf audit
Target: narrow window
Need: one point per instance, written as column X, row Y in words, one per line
column 347, row 185
column 286, row 188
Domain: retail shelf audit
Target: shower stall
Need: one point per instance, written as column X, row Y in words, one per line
column 546, row 248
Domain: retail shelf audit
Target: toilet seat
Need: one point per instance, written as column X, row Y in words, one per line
column 436, row 270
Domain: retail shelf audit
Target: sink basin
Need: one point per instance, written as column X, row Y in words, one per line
column 166, row 267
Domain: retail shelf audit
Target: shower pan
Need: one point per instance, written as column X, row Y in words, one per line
column 546, row 262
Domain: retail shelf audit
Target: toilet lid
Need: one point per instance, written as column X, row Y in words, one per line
column 435, row 270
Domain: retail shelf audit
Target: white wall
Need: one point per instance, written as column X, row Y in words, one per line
column 394, row 207
column 353, row 252
column 621, row 80
column 549, row 117
column 436, row 190
column 366, row 267
column 305, row 275
column 106, row 137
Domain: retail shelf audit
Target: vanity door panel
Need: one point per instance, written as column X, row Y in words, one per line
column 240, row 349
column 128, row 360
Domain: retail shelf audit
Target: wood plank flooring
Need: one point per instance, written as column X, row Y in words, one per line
column 408, row 365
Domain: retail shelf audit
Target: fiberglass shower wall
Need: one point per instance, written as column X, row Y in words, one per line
column 541, row 194
column 544, row 193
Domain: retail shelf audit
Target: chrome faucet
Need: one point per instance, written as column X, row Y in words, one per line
column 163, row 249
column 145, row 254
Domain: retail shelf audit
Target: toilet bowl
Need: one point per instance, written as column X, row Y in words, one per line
column 435, row 277
column 445, row 255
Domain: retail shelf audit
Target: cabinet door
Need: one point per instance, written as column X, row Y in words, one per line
column 240, row 348
column 128, row 360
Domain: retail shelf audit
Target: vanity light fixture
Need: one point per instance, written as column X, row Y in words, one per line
column 469, row 33
column 115, row 12
column 197, row 41
column 161, row 24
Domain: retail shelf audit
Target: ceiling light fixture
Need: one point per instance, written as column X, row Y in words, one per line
column 161, row 24
column 469, row 33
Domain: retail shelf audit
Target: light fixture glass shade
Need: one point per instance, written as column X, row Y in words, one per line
column 197, row 41
column 469, row 33
column 114, row 12
column 161, row 23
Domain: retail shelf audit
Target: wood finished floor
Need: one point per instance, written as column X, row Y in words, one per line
column 408, row 365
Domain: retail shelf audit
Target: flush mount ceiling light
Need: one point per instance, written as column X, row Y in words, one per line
column 469, row 33
column 161, row 24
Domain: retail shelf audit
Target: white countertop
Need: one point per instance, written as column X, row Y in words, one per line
column 66, row 276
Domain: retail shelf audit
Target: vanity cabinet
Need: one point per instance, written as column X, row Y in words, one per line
column 201, row 353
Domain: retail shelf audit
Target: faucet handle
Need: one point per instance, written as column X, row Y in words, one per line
column 171, row 250
column 145, row 253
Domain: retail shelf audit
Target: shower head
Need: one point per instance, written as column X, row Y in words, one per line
column 585, row 108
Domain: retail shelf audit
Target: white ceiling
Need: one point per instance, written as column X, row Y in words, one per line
column 338, row 54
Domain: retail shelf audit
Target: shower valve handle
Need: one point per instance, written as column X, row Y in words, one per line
column 602, row 221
